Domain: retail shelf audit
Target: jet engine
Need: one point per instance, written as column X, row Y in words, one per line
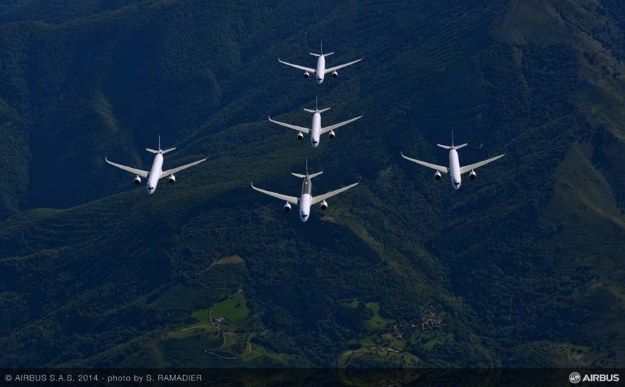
column 306, row 74
column 137, row 180
column 437, row 175
column 332, row 134
column 324, row 205
column 334, row 74
column 300, row 136
column 287, row 206
column 172, row 179
column 472, row 174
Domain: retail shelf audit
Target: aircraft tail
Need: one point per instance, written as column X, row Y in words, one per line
column 159, row 148
column 314, row 111
column 452, row 146
column 316, row 108
column 321, row 51
column 304, row 176
column 163, row 151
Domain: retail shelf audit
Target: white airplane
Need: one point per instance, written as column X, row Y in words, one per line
column 156, row 172
column 315, row 130
column 455, row 170
column 321, row 69
column 306, row 199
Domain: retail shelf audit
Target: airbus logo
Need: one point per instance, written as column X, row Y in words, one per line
column 575, row 377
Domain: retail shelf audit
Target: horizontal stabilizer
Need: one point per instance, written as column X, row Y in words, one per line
column 314, row 111
column 313, row 54
column 444, row 146
column 161, row 151
column 304, row 176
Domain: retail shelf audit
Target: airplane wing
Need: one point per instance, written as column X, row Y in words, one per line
column 295, row 127
column 290, row 199
column 303, row 68
column 439, row 168
column 335, row 68
column 135, row 171
column 178, row 169
column 468, row 168
column 328, row 195
column 332, row 127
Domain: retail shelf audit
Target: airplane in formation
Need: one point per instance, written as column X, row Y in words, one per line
column 320, row 71
column 315, row 130
column 455, row 170
column 156, row 172
column 306, row 200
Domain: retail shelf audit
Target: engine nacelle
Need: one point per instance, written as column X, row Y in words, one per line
column 324, row 205
column 287, row 207
column 472, row 174
column 306, row 74
column 437, row 175
column 172, row 179
column 137, row 180
column 335, row 74
column 300, row 136
column 332, row 134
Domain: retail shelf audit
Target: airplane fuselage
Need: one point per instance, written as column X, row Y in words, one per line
column 454, row 169
column 315, row 129
column 321, row 69
column 155, row 173
column 305, row 200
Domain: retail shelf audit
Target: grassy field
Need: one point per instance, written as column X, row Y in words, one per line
column 234, row 309
column 377, row 321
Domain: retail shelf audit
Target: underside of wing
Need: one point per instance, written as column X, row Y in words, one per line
column 332, row 127
column 290, row 199
column 328, row 195
column 294, row 127
column 303, row 68
column 134, row 171
column 468, row 168
column 178, row 169
column 335, row 68
column 439, row 168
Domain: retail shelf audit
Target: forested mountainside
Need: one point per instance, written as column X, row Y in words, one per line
column 522, row 267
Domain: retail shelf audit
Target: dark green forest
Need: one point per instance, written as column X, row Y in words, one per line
column 522, row 267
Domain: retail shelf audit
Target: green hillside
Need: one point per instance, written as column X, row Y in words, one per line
column 520, row 267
